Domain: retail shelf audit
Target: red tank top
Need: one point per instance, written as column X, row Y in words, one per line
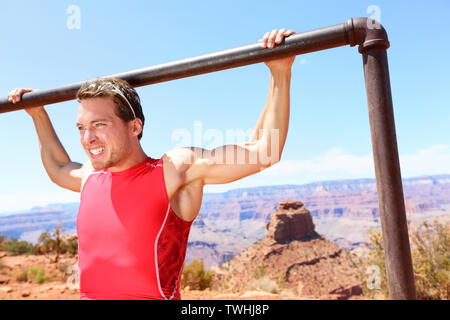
column 131, row 245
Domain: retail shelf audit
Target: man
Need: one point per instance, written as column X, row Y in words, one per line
column 135, row 211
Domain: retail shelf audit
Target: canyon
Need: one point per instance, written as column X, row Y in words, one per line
column 229, row 222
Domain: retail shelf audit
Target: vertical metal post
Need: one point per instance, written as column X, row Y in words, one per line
column 387, row 169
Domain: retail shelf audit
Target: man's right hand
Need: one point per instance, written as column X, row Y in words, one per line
column 15, row 95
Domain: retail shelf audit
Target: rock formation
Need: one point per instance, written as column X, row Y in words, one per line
column 290, row 222
column 293, row 258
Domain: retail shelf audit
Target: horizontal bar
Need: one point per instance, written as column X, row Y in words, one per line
column 315, row 40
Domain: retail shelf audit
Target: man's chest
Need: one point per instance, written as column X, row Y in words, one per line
column 121, row 207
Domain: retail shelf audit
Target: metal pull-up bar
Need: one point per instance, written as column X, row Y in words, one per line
column 372, row 40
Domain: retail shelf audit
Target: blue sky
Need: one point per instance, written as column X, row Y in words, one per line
column 329, row 135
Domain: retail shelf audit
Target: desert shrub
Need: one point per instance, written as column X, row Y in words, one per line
column 73, row 246
column 69, row 246
column 430, row 251
column 63, row 247
column 44, row 236
column 431, row 258
column 48, row 246
column 263, row 284
column 196, row 277
column 36, row 274
column 16, row 247
column 20, row 275
column 374, row 258
column 259, row 271
column 51, row 242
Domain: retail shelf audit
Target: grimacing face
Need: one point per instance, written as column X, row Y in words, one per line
column 105, row 137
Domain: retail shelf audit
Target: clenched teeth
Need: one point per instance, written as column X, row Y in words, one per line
column 96, row 151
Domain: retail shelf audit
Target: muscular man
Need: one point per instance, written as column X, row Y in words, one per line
column 136, row 211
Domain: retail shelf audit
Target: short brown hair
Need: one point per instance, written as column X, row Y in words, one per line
column 104, row 87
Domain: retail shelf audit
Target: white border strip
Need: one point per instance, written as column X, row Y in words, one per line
column 156, row 252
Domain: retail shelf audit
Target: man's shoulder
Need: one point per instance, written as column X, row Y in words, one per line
column 86, row 170
column 179, row 159
column 178, row 163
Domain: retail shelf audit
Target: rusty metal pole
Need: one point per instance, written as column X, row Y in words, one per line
column 320, row 39
column 388, row 176
column 399, row 267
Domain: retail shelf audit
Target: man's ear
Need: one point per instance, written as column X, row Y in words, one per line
column 136, row 126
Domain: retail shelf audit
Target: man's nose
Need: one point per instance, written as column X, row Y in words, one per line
column 89, row 136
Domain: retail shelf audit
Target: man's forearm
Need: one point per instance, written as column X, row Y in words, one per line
column 259, row 125
column 274, row 119
column 53, row 154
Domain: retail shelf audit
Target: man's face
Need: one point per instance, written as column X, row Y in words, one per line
column 104, row 136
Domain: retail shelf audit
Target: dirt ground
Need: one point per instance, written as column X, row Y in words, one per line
column 59, row 284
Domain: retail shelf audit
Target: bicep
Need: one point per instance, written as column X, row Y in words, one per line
column 225, row 164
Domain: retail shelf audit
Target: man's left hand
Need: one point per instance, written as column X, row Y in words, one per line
column 270, row 40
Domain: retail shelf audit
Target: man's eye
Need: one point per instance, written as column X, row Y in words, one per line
column 80, row 128
column 99, row 124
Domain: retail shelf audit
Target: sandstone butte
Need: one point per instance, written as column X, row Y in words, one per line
column 294, row 260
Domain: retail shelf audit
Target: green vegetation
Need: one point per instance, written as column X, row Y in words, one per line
column 36, row 274
column 16, row 247
column 48, row 242
column 430, row 250
column 196, row 277
column 20, row 275
column 51, row 242
column 259, row 271
column 431, row 257
column 70, row 246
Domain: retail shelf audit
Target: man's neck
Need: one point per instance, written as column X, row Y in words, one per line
column 135, row 157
